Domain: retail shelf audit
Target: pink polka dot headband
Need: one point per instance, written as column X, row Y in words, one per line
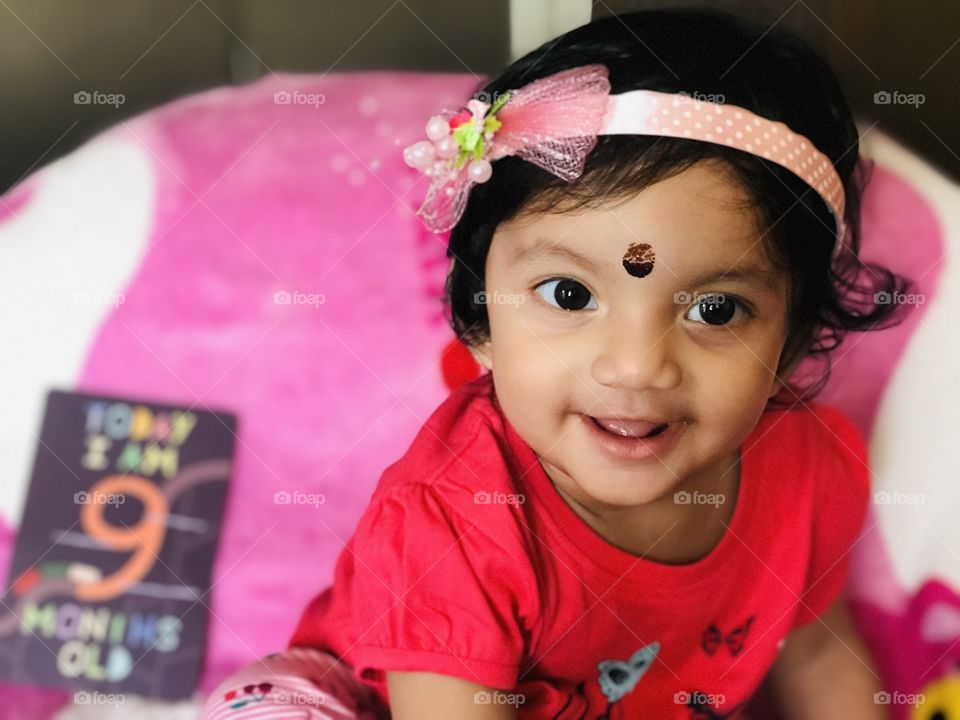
column 554, row 122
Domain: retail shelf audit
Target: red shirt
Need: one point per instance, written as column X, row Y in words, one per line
column 467, row 562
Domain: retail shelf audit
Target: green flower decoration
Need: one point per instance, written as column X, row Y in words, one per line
column 471, row 140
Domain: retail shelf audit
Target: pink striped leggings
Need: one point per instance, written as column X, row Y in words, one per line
column 296, row 683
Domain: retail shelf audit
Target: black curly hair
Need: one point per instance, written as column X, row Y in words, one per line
column 774, row 74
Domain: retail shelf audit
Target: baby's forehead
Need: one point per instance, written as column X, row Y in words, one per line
column 698, row 218
column 733, row 258
column 704, row 197
column 596, row 247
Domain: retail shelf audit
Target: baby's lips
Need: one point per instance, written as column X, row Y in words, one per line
column 628, row 428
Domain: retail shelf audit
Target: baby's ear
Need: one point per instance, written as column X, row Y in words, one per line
column 482, row 354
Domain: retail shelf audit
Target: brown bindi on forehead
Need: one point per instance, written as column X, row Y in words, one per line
column 638, row 259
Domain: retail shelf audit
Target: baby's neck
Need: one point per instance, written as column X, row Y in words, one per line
column 664, row 531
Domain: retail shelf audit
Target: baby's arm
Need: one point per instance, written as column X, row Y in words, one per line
column 824, row 671
column 431, row 696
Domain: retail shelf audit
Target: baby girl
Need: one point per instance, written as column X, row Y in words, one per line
column 634, row 513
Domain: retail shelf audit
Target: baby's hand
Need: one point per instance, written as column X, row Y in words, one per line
column 825, row 671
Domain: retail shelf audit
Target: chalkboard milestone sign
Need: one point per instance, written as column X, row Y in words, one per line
column 109, row 581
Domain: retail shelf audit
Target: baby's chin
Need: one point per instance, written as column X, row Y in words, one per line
column 629, row 489
column 615, row 485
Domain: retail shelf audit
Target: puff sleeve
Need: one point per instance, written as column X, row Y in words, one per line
column 436, row 585
column 839, row 510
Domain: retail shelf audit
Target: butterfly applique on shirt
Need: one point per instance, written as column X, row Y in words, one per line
column 713, row 638
column 616, row 679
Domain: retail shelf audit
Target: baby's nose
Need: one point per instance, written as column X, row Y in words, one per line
column 637, row 358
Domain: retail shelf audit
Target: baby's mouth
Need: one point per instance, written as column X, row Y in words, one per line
column 631, row 428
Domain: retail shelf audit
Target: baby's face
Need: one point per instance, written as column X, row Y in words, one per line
column 620, row 333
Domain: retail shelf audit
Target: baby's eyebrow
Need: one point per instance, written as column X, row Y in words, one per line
column 753, row 274
column 543, row 248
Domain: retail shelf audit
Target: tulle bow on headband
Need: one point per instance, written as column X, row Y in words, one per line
column 553, row 122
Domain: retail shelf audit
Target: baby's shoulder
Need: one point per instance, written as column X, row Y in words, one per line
column 812, row 427
column 811, row 445
column 460, row 458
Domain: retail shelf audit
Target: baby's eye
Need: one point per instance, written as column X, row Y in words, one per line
column 717, row 309
column 566, row 294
